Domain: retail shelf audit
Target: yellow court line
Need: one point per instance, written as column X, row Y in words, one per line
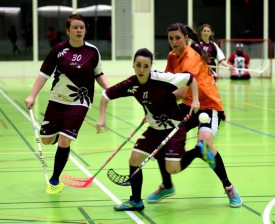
column 258, row 106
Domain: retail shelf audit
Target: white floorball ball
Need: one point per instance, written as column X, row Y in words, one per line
column 203, row 117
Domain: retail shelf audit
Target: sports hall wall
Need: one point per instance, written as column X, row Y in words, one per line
column 111, row 68
column 142, row 19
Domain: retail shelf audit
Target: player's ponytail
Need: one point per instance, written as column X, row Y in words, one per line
column 192, row 34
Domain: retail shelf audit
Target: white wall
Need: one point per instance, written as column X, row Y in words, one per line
column 143, row 23
column 29, row 68
column 112, row 68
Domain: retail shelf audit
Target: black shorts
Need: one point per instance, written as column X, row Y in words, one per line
column 212, row 126
column 62, row 119
column 174, row 149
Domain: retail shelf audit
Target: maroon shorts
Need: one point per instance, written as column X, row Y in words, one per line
column 174, row 149
column 62, row 119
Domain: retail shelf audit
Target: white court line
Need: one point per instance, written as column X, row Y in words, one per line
column 83, row 169
column 267, row 211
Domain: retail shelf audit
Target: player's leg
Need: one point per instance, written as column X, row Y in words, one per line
column 65, row 120
column 170, row 157
column 207, row 133
column 234, row 199
column 167, row 188
column 163, row 191
column 61, row 158
column 144, row 146
column 134, row 203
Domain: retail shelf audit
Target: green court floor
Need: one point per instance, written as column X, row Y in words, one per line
column 246, row 141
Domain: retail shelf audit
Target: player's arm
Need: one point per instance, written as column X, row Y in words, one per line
column 38, row 85
column 102, row 81
column 195, row 105
column 221, row 58
column 181, row 92
column 101, row 123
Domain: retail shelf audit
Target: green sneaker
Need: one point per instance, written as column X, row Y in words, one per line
column 235, row 200
column 130, row 205
column 54, row 189
column 160, row 194
column 207, row 155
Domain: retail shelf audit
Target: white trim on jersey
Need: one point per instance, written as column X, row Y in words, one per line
column 220, row 54
column 44, row 75
column 105, row 95
column 98, row 69
column 177, row 79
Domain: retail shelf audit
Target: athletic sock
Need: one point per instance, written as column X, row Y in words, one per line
column 220, row 171
column 136, row 184
column 189, row 156
column 60, row 160
column 166, row 177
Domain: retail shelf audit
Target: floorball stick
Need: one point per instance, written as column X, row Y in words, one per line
column 241, row 69
column 125, row 180
column 39, row 145
column 87, row 182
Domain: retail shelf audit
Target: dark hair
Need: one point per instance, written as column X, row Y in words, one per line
column 76, row 17
column 192, row 34
column 185, row 30
column 202, row 27
column 145, row 53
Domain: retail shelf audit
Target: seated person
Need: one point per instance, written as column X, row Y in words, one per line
column 239, row 59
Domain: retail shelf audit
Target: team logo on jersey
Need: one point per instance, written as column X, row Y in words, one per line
column 62, row 53
column 132, row 89
column 163, row 120
column 79, row 94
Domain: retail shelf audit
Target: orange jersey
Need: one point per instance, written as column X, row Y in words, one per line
column 190, row 61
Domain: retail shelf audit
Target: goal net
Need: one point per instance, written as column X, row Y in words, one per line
column 259, row 51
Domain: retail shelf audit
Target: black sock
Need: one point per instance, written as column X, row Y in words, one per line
column 189, row 156
column 60, row 160
column 220, row 171
column 136, row 184
column 166, row 177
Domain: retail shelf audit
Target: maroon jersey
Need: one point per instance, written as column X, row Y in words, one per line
column 75, row 70
column 213, row 50
column 156, row 97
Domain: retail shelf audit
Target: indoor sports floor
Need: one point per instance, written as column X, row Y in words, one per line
column 246, row 142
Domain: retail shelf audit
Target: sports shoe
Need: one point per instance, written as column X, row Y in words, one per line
column 235, row 200
column 160, row 194
column 130, row 205
column 207, row 155
column 54, row 189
